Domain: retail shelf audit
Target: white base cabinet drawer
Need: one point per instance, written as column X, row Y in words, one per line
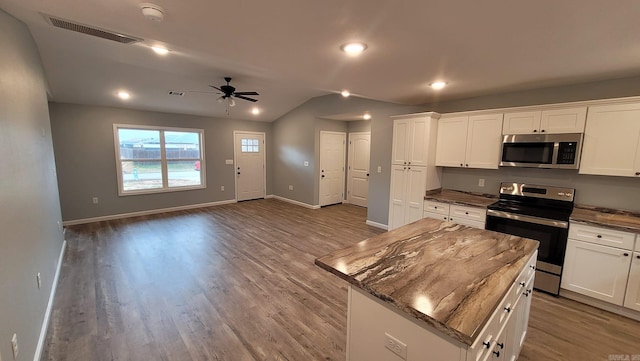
column 602, row 236
column 465, row 215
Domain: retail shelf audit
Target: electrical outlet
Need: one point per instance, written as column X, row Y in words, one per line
column 481, row 182
column 290, row 187
column 222, row 188
column 306, row 163
column 94, row 200
column 395, row 346
column 379, row 169
column 39, row 279
column 14, row 346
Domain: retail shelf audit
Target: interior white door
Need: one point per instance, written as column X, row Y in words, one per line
column 332, row 170
column 249, row 165
column 358, row 185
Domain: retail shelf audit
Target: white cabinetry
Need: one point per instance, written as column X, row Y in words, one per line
column 554, row 121
column 501, row 338
column 412, row 171
column 632, row 296
column 612, row 141
column 597, row 263
column 465, row 215
column 471, row 141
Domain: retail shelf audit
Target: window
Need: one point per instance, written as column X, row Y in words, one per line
column 250, row 145
column 154, row 159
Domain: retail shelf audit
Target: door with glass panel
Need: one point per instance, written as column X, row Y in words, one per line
column 249, row 165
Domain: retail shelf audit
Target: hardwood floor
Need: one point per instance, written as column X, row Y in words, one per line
column 237, row 282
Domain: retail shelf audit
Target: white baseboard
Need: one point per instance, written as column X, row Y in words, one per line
column 146, row 213
column 622, row 311
column 377, row 225
column 305, row 205
column 47, row 314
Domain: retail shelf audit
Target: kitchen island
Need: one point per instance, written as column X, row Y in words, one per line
column 434, row 290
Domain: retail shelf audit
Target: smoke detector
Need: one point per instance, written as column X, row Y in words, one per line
column 152, row 12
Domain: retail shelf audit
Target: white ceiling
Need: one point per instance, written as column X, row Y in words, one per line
column 288, row 50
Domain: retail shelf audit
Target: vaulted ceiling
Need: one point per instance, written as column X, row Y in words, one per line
column 288, row 50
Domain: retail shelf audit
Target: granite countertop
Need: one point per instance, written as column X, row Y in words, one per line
column 611, row 218
column 459, row 197
column 450, row 276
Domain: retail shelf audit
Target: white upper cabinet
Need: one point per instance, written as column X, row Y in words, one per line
column 410, row 141
column 612, row 141
column 469, row 141
column 554, row 121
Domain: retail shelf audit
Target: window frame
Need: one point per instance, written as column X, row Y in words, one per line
column 163, row 160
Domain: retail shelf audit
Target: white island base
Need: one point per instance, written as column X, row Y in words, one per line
column 375, row 328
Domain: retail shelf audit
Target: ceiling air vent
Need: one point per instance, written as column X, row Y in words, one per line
column 173, row 92
column 89, row 30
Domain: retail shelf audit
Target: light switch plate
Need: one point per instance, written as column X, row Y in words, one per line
column 228, row 161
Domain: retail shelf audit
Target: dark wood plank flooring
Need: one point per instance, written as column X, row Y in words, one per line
column 237, row 282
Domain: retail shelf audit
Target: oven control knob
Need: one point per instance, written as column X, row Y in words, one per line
column 561, row 194
column 568, row 194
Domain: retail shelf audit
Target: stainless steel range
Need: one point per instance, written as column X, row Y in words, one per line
column 540, row 213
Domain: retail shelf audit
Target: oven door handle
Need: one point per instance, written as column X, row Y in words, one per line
column 530, row 219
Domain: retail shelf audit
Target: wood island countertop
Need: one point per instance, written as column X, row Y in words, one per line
column 450, row 276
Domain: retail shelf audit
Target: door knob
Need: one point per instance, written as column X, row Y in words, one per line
column 367, row 174
column 238, row 173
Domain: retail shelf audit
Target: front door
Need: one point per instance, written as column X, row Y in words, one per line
column 249, row 165
column 332, row 159
column 358, row 180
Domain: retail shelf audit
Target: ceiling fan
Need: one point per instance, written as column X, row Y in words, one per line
column 229, row 92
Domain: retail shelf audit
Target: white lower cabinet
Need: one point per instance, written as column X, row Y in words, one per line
column 594, row 268
column 465, row 215
column 500, row 339
column 632, row 296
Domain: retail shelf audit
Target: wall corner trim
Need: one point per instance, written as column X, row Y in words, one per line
column 377, row 225
column 305, row 205
column 146, row 213
column 47, row 314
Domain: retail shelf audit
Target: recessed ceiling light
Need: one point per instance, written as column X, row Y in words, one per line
column 438, row 85
column 353, row 48
column 345, row 93
column 366, row 116
column 160, row 50
column 255, row 111
column 124, row 95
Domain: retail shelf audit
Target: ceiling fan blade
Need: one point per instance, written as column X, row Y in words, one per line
column 245, row 98
column 215, row 87
column 246, row 93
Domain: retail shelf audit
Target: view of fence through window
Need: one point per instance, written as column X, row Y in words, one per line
column 156, row 159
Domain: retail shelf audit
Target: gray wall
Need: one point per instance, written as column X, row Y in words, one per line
column 296, row 138
column 611, row 192
column 85, row 155
column 31, row 239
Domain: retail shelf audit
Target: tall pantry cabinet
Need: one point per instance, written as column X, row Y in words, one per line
column 413, row 169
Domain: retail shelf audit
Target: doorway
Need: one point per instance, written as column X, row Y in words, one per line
column 250, row 174
column 332, row 164
column 358, row 168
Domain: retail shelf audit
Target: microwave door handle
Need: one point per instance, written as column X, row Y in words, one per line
column 556, row 150
column 530, row 219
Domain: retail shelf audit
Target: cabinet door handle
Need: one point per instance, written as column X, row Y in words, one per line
column 501, row 345
column 626, row 254
column 638, row 256
column 466, row 165
column 508, row 309
column 461, row 164
column 466, row 212
column 542, row 131
column 497, row 353
column 535, row 130
column 599, row 236
column 637, row 173
column 522, row 284
column 486, row 344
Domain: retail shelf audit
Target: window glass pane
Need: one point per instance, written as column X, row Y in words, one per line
column 244, row 141
column 139, row 144
column 141, row 175
column 254, row 142
column 182, row 145
column 244, row 149
column 184, row 173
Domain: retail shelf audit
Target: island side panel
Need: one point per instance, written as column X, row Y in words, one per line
column 370, row 320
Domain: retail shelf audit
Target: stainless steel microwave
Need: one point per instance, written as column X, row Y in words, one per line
column 542, row 150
